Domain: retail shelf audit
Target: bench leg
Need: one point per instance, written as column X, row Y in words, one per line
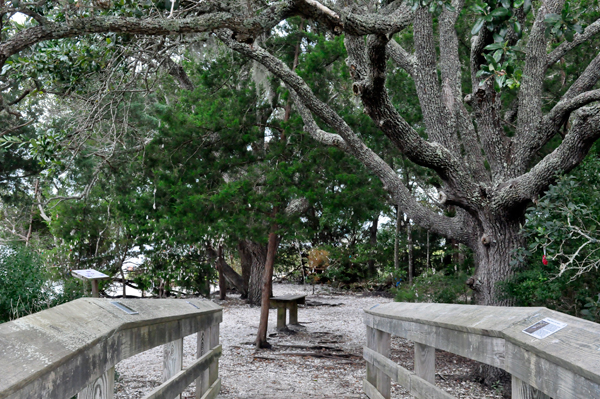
column 280, row 318
column 294, row 313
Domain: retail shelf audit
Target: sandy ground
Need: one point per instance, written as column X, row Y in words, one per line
column 288, row 370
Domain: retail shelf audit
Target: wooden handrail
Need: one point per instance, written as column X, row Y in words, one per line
column 565, row 364
column 72, row 349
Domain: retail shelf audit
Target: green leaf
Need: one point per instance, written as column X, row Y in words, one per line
column 498, row 55
column 494, row 46
column 569, row 35
column 552, row 18
column 500, row 12
column 500, row 80
column 478, row 25
column 518, row 3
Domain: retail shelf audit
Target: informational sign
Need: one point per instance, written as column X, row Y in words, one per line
column 89, row 274
column 544, row 328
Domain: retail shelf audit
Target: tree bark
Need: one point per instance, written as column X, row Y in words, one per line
column 257, row 255
column 397, row 239
column 261, row 339
column 409, row 250
column 493, row 255
column 246, row 264
column 222, row 282
column 230, row 275
column 373, row 244
column 428, row 261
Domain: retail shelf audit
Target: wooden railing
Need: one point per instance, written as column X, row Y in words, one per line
column 72, row 349
column 562, row 365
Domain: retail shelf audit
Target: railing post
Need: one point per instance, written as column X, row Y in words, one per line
column 102, row 388
column 172, row 360
column 522, row 390
column 380, row 342
column 213, row 370
column 425, row 362
column 202, row 384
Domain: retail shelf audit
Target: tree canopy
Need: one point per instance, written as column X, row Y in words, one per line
column 505, row 89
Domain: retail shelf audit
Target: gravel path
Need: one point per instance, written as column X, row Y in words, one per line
column 286, row 371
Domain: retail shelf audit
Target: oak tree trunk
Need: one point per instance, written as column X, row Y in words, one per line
column 493, row 255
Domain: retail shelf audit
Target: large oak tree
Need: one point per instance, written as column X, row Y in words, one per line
column 484, row 148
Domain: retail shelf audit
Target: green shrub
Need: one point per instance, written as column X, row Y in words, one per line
column 435, row 287
column 24, row 283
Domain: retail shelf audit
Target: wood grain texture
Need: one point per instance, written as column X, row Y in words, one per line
column 417, row 386
column 213, row 391
column 184, row 378
column 521, row 390
column 281, row 318
column 383, row 345
column 102, row 388
column 172, row 360
column 213, row 370
column 425, row 362
column 371, row 370
column 483, row 348
column 203, row 347
column 293, row 313
column 550, row 378
column 370, row 390
column 564, row 365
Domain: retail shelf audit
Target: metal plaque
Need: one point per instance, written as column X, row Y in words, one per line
column 544, row 328
column 89, row 274
column 193, row 305
column 123, row 307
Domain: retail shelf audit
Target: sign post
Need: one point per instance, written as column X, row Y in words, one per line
column 93, row 276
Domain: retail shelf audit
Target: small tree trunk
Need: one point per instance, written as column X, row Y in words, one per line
column 409, row 245
column 222, row 281
column 397, row 240
column 261, row 339
column 35, row 195
column 123, row 280
column 373, row 243
column 428, row 262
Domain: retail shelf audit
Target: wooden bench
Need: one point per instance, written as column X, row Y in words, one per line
column 281, row 303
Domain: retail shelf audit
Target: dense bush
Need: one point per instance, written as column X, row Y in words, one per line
column 559, row 268
column 24, row 283
column 436, row 287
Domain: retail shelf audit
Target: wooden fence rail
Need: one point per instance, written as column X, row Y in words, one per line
column 72, row 349
column 549, row 354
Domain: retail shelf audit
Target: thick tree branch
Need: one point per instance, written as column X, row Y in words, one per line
column 518, row 192
column 530, row 95
column 401, row 195
column 401, row 57
column 368, row 71
column 311, row 127
column 435, row 115
column 567, row 46
column 177, row 72
column 452, row 92
column 441, row 224
column 577, row 96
